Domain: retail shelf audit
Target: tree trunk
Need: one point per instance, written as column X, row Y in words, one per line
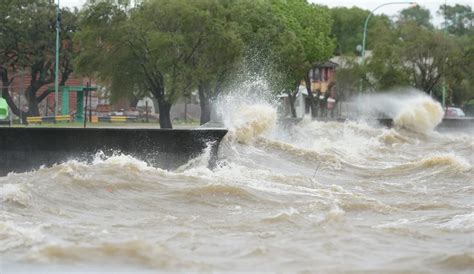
column 165, row 117
column 205, row 103
column 134, row 102
column 312, row 105
column 6, row 95
column 292, row 104
column 32, row 101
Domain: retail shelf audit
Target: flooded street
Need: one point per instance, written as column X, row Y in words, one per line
column 314, row 197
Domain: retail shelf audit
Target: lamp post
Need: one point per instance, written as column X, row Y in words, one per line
column 56, row 78
column 364, row 38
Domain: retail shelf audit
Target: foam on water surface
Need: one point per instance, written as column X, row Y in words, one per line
column 292, row 201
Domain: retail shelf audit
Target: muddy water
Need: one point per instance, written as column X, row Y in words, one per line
column 318, row 197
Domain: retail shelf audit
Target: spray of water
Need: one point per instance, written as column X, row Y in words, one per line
column 248, row 109
column 409, row 108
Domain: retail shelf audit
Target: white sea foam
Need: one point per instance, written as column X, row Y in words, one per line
column 13, row 235
column 421, row 114
column 409, row 108
column 248, row 109
column 201, row 161
column 462, row 222
column 16, row 193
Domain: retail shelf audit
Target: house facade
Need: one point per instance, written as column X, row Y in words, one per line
column 321, row 75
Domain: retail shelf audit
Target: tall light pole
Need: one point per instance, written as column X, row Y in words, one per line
column 364, row 38
column 56, row 78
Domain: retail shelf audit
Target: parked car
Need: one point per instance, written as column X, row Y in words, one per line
column 452, row 112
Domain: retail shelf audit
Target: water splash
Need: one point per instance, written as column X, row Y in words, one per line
column 421, row 115
column 409, row 108
column 248, row 110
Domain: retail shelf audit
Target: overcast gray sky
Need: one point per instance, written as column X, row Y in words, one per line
column 432, row 5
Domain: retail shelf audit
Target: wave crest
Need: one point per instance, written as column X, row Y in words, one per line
column 420, row 114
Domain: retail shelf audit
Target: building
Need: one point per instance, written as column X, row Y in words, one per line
column 321, row 75
column 22, row 81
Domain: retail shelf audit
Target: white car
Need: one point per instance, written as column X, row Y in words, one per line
column 452, row 112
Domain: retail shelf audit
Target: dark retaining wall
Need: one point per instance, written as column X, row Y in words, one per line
column 24, row 149
column 457, row 123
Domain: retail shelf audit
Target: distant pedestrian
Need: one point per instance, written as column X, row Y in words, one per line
column 322, row 103
column 331, row 100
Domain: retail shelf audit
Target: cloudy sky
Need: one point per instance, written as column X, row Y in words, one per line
column 432, row 5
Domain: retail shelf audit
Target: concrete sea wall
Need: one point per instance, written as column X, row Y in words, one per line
column 24, row 149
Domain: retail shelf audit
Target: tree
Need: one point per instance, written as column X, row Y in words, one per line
column 410, row 54
column 27, row 42
column 348, row 26
column 386, row 67
column 151, row 46
column 421, row 16
column 459, row 78
column 310, row 27
column 427, row 55
column 458, row 19
column 215, row 61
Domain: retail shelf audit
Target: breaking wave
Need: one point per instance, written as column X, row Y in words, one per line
column 133, row 251
column 276, row 199
column 251, row 121
column 410, row 109
column 421, row 115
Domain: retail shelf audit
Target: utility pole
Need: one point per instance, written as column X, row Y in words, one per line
column 443, row 86
column 56, row 80
column 366, row 24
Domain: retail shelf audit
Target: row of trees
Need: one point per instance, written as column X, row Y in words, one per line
column 27, row 35
column 409, row 51
column 169, row 48
column 163, row 48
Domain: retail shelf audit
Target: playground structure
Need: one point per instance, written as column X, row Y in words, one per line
column 3, row 109
column 4, row 115
column 81, row 93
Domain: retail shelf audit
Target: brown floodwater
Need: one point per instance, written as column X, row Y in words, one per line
column 314, row 197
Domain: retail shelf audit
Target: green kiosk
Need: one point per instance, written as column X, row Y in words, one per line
column 81, row 93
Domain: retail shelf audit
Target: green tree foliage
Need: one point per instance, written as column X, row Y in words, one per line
column 153, row 46
column 458, row 24
column 308, row 42
column 27, row 42
column 214, row 62
column 411, row 52
column 410, row 55
column 459, row 78
column 171, row 47
column 428, row 55
column 420, row 15
column 458, row 19
column 348, row 26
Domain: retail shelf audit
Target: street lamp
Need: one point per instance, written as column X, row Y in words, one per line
column 367, row 22
column 365, row 31
column 56, row 78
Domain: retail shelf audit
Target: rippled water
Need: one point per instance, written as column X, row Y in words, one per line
column 315, row 197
